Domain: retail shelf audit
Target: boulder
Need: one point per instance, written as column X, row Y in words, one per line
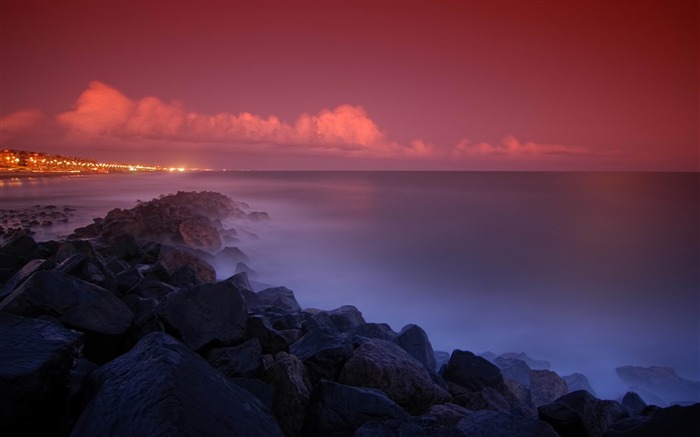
column 35, row 374
column 271, row 340
column 546, row 387
column 200, row 235
column 174, row 259
column 533, row 363
column 385, row 366
column 633, row 403
column 441, row 358
column 230, row 257
column 381, row 331
column 206, row 315
column 406, row 427
column 161, row 387
column 22, row 274
column 323, row 352
column 242, row 267
column 470, row 372
column 338, row 410
column 501, row 424
column 581, row 414
column 341, row 319
column 488, row 398
column 80, row 259
column 244, row 360
column 292, row 391
column 281, row 298
column 75, row 303
column 578, row 381
column 676, row 421
column 414, row 340
column 448, row 414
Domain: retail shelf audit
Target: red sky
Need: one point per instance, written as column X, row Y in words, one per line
column 356, row 85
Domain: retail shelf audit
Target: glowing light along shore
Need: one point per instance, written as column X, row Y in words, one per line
column 22, row 161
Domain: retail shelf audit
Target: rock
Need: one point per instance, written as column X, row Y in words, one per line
column 85, row 263
column 514, row 369
column 77, row 305
column 546, row 387
column 521, row 393
column 35, row 374
column 22, row 274
column 414, row 340
column 676, row 421
column 272, row 341
column 244, row 360
column 151, row 289
column 281, row 298
column 230, row 256
column 341, row 319
column 381, row 331
column 408, row 427
column 581, row 414
column 385, row 366
column 578, row 381
column 206, row 315
column 500, row 424
column 200, row 235
column 21, row 245
column 241, row 281
column 488, row 398
column 633, row 403
column 660, row 381
column 174, row 259
column 470, row 372
column 338, row 410
column 161, row 387
column 292, row 391
column 242, row 267
column 261, row 390
column 145, row 318
column 448, row 414
column 323, row 352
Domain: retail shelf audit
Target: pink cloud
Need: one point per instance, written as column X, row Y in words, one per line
column 511, row 146
column 21, row 120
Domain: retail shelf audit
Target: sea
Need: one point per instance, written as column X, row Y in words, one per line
column 589, row 271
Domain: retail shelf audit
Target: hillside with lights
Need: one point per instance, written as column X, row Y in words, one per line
column 19, row 162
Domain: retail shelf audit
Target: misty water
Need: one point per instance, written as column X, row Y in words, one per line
column 587, row 270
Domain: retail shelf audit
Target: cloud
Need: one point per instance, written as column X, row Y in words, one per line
column 21, row 120
column 511, row 146
column 102, row 111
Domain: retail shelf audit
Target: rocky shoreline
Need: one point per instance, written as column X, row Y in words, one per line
column 124, row 329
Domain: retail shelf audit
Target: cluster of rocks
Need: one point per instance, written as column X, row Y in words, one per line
column 123, row 334
column 25, row 221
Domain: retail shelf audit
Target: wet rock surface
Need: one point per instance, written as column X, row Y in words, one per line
column 125, row 329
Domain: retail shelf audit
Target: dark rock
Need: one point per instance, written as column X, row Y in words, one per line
column 75, row 303
column 241, row 281
column 161, row 387
column 385, row 366
column 660, row 381
column 22, row 274
column 184, row 277
column 521, row 393
column 441, row 358
column 272, row 341
column 35, row 374
column 122, row 247
column 242, row 267
column 174, row 259
column 206, row 315
column 80, row 259
column 157, row 271
column 151, row 289
column 10, row 264
column 244, row 360
column 676, row 421
column 546, row 387
column 116, row 265
column 261, row 390
column 488, row 398
column 280, row 319
column 145, row 318
column 448, row 414
column 381, row 331
column 230, row 256
column 341, row 319
column 501, row 424
column 128, row 279
column 324, row 352
column 470, row 372
column 633, row 403
column 280, row 298
column 533, row 363
column 414, row 340
column 200, row 235
column 581, row 414
column 292, row 391
column 577, row 381
column 408, row 427
column 21, row 245
column 338, row 410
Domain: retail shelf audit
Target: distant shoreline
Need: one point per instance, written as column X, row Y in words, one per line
column 29, row 174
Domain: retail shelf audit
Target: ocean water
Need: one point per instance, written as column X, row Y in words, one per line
column 587, row 270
